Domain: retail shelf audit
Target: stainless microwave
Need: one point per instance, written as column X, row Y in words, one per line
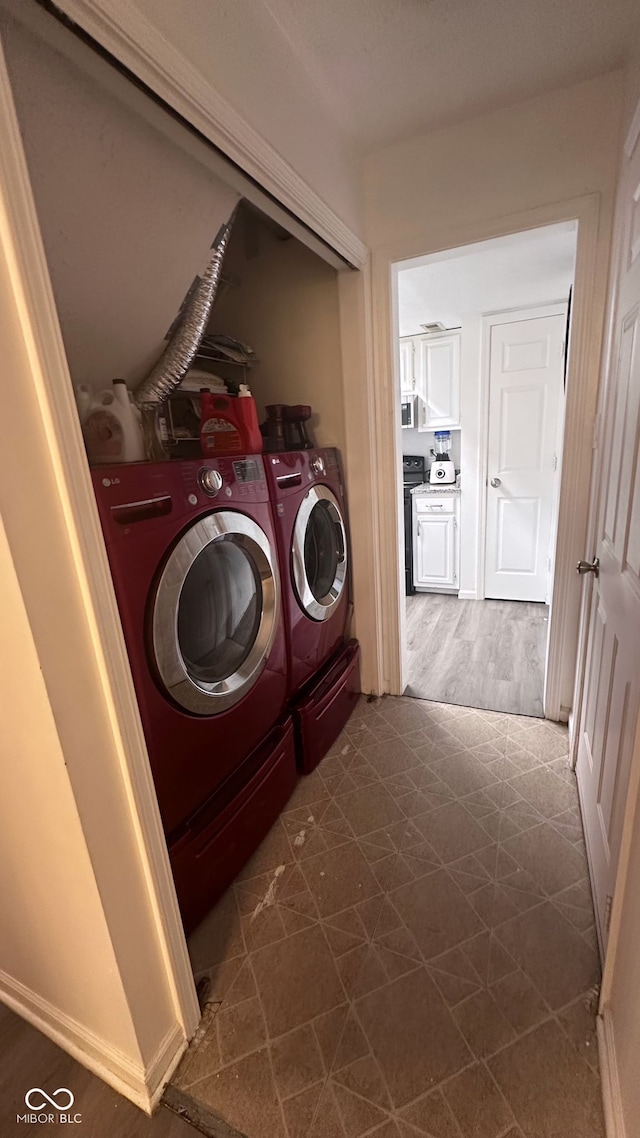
column 408, row 410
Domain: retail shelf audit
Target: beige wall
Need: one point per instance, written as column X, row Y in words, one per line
column 286, row 308
column 54, row 939
column 242, row 52
column 127, row 217
column 552, row 148
column 455, row 185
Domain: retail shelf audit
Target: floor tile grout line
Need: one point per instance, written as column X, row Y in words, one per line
column 423, row 965
column 352, row 1004
column 446, row 866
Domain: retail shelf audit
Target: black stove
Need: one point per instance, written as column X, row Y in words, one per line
column 413, row 474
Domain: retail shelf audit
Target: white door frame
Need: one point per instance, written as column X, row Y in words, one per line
column 489, row 321
column 582, row 388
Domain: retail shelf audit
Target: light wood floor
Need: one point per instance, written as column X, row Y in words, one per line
column 487, row 654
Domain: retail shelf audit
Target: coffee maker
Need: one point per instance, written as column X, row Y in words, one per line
column 442, row 470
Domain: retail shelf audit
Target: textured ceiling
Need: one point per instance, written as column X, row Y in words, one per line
column 392, row 68
column 535, row 267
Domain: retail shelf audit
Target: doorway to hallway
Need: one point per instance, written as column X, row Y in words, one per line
column 481, row 356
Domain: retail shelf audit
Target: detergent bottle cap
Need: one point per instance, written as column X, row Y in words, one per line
column 244, row 392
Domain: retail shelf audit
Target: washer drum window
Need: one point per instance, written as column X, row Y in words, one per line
column 319, row 553
column 215, row 613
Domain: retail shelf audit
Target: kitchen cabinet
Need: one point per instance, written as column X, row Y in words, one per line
column 407, row 366
column 436, row 544
column 437, row 371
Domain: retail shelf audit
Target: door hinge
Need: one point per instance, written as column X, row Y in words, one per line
column 548, row 564
column 555, row 462
column 607, row 912
column 596, row 432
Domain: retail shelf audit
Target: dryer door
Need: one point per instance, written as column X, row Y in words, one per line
column 215, row 612
column 319, row 553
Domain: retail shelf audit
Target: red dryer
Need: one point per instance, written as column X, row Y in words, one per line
column 195, row 568
column 313, row 544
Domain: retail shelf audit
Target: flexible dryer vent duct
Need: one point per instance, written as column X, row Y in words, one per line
column 180, row 352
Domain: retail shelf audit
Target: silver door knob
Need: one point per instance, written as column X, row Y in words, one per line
column 495, row 482
column 589, row 567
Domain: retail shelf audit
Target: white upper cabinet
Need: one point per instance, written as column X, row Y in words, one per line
column 407, row 370
column 437, row 369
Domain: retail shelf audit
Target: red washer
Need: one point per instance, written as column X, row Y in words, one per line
column 195, row 568
column 311, row 529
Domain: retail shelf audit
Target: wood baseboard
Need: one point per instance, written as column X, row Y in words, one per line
column 611, row 1096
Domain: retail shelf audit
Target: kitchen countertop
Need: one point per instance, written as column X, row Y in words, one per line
column 433, row 488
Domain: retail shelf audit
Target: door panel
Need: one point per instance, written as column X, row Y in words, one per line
column 612, row 673
column 521, row 450
column 435, row 551
column 525, row 393
column 518, row 527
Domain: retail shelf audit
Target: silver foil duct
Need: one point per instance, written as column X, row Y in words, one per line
column 184, row 341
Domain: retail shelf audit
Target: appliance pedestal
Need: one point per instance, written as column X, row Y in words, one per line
column 324, row 707
column 220, row 838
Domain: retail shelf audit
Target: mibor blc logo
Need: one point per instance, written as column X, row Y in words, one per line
column 54, row 1107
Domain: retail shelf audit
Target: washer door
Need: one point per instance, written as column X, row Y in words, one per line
column 319, row 553
column 215, row 612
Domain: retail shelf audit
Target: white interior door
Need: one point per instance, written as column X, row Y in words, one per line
column 612, row 680
column 526, row 383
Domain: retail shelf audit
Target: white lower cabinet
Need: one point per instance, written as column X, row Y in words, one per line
column 436, row 542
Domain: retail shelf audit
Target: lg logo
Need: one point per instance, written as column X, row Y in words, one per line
column 38, row 1100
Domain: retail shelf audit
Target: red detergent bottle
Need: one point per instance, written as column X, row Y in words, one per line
column 228, row 424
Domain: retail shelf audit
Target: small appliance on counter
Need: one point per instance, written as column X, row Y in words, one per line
column 413, row 474
column 442, row 470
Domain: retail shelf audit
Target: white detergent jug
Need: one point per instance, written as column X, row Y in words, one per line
column 112, row 428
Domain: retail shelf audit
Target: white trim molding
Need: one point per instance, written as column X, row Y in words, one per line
column 143, row 1086
column 131, row 39
column 611, row 1094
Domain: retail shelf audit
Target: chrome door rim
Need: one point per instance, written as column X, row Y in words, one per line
column 317, row 609
column 199, row 696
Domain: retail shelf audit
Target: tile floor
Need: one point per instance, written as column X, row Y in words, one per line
column 411, row 951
